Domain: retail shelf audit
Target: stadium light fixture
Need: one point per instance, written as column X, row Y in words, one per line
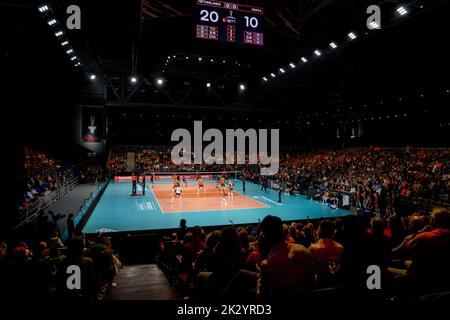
column 92, row 77
column 59, row 33
column 73, row 58
column 159, row 82
column 333, row 45
column 51, row 22
column 273, row 75
column 317, row 53
column 64, row 43
column 43, row 8
column 133, row 79
column 282, row 70
column 265, row 79
column 208, row 85
column 69, row 51
column 292, row 65
column 242, row 87
column 304, row 60
column 374, row 25
column 200, row 59
column 352, row 35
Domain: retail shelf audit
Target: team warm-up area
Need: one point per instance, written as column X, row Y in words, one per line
column 244, row 159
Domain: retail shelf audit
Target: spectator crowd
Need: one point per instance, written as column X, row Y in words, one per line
column 375, row 179
column 42, row 175
column 312, row 259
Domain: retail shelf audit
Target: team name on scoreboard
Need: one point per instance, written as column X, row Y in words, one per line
column 229, row 22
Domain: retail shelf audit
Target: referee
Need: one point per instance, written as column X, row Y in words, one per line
column 134, row 181
column 143, row 185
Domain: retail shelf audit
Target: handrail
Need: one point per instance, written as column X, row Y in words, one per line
column 45, row 201
column 88, row 204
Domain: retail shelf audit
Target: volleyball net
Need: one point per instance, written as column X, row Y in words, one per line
column 191, row 175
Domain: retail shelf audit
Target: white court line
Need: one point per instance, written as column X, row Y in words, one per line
column 156, row 199
column 222, row 209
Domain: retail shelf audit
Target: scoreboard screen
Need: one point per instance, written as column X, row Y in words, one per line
column 229, row 22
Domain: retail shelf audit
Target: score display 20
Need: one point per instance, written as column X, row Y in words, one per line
column 229, row 22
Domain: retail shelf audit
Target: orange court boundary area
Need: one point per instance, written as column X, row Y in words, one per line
column 209, row 199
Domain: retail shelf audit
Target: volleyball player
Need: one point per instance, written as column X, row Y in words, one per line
column 222, row 182
column 184, row 181
column 218, row 181
column 200, row 184
column 176, row 191
column 224, row 194
column 230, row 188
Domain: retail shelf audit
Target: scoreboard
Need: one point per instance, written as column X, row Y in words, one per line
column 229, row 22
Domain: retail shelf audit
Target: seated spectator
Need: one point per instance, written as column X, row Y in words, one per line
column 182, row 229
column 55, row 241
column 395, row 231
column 380, row 249
column 243, row 238
column 287, row 269
column 326, row 255
column 190, row 249
column 225, row 261
column 75, row 256
column 357, row 255
column 416, row 223
column 431, row 253
column 310, row 235
column 287, row 236
column 204, row 255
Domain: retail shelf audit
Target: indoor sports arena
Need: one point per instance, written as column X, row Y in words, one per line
column 209, row 151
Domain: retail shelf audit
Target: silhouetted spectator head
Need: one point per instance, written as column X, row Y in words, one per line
column 309, row 229
column 417, row 223
column 394, row 223
column 3, row 250
column 54, row 234
column 326, row 229
column 352, row 226
column 440, row 218
column 183, row 223
column 75, row 248
column 378, row 226
column 272, row 231
column 197, row 232
column 70, row 216
column 212, row 239
column 285, row 231
column 243, row 238
column 188, row 238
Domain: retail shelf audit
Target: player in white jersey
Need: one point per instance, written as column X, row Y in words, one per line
column 176, row 193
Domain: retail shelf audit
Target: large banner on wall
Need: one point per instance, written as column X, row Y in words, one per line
column 92, row 125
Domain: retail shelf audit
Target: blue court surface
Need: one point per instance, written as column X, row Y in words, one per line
column 117, row 211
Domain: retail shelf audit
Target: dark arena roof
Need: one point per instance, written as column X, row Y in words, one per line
column 92, row 91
